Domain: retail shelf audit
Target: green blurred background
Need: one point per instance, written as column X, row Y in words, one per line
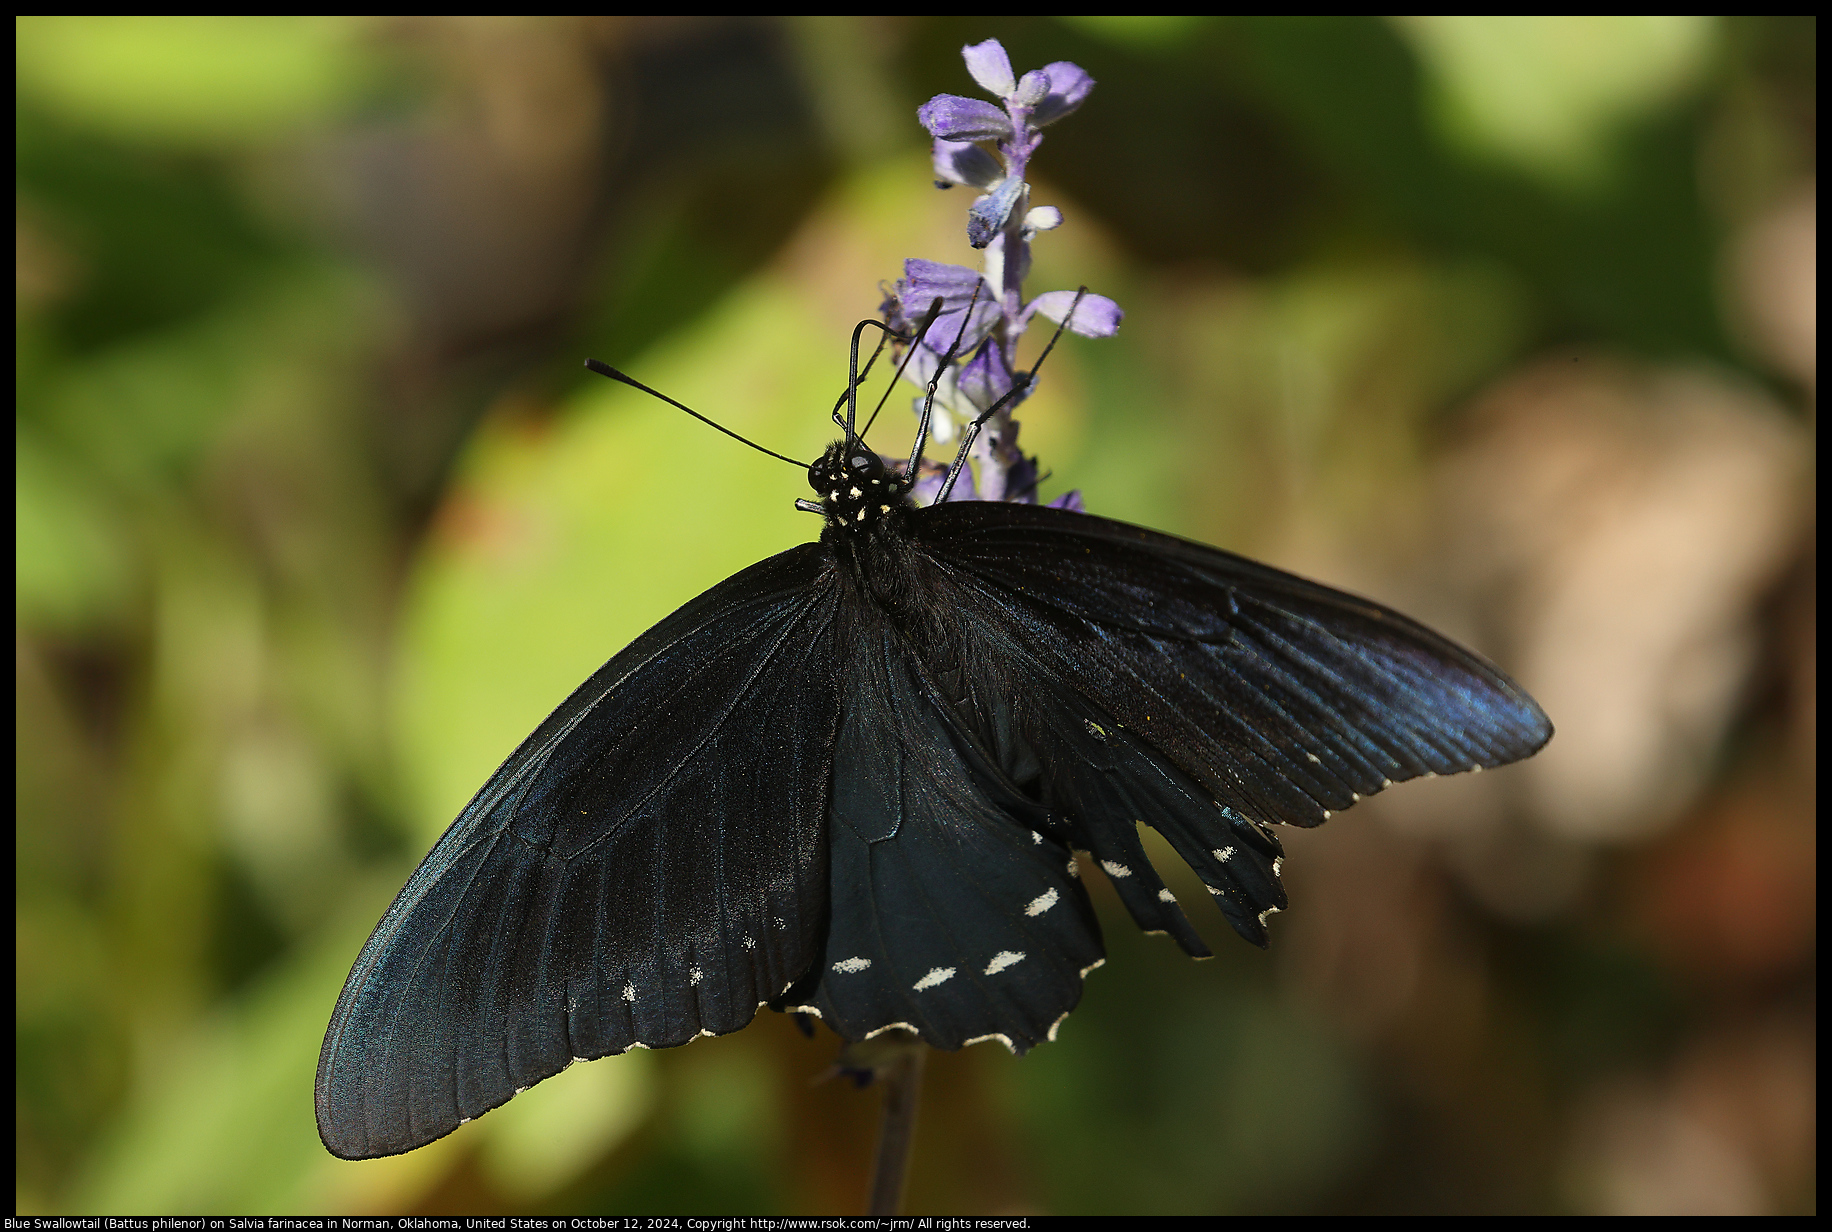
column 1509, row 322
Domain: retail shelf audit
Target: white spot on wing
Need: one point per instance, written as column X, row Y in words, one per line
column 694, row 976
column 1002, row 960
column 1165, row 896
column 1115, row 868
column 1315, row 760
column 875, row 1032
column 936, row 975
column 1074, row 868
column 750, row 943
column 629, row 992
column 1211, row 889
column 1223, row 853
column 1268, row 911
column 1099, row 962
column 1277, row 864
column 1040, row 904
column 1036, row 836
column 1002, row 1038
column 851, row 966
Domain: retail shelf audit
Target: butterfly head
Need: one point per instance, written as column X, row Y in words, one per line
column 855, row 489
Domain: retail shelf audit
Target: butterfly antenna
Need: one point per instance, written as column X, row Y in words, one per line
column 604, row 369
column 928, row 403
column 854, row 377
column 839, row 419
column 1020, row 383
column 921, row 330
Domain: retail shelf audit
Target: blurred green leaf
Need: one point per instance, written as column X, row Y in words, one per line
column 1550, row 93
column 222, row 1117
column 548, row 1135
column 70, row 567
column 203, row 81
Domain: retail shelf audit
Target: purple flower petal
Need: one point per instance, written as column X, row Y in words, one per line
column 1032, row 88
column 991, row 67
column 987, row 216
column 964, row 119
column 1021, row 475
column 985, row 378
column 962, row 162
column 929, row 479
column 1069, row 86
column 1095, row 317
column 923, row 281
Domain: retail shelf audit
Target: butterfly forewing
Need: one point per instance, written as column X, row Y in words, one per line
column 648, row 866
column 1213, row 695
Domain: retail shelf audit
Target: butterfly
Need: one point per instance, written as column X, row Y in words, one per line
column 853, row 780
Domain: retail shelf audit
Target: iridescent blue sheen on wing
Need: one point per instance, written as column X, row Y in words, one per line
column 1284, row 700
column 649, row 866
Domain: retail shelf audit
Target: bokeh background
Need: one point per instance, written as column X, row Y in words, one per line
column 1508, row 322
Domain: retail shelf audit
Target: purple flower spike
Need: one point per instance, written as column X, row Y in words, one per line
column 962, row 162
column 1070, row 86
column 964, row 119
column 991, row 67
column 988, row 215
column 989, row 148
column 1095, row 317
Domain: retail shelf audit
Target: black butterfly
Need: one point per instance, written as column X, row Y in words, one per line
column 850, row 781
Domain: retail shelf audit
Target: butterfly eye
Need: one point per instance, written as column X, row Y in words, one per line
column 820, row 475
column 863, row 464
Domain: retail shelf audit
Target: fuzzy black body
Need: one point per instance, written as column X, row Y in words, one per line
column 851, row 780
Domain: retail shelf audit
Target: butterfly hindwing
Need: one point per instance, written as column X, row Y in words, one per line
column 648, row 866
column 950, row 913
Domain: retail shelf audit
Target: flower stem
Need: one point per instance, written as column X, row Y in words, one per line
column 901, row 1079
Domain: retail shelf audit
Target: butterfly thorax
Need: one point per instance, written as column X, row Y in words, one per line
column 856, row 491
